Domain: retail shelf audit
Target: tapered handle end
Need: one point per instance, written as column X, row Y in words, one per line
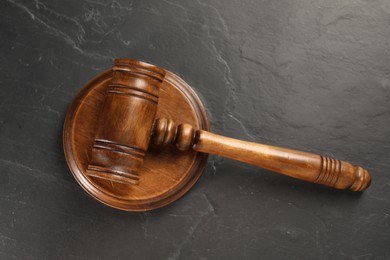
column 342, row 175
column 362, row 179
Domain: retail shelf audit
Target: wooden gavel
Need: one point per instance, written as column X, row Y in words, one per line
column 128, row 124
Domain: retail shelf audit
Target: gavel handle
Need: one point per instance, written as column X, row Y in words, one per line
column 301, row 165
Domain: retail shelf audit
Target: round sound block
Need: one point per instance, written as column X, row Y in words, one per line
column 167, row 173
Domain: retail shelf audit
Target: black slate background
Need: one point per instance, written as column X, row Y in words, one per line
column 306, row 74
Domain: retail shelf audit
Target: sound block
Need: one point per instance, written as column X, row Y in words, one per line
column 166, row 175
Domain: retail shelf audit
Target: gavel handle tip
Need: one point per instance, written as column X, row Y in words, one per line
column 362, row 179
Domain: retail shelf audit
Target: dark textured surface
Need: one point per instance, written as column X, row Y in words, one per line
column 309, row 75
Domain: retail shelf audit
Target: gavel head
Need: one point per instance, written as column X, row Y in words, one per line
column 126, row 121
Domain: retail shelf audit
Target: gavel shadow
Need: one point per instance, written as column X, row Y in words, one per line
column 236, row 177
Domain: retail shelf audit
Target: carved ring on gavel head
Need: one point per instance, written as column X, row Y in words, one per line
column 136, row 138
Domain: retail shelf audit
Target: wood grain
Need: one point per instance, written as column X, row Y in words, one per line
column 125, row 121
column 111, row 122
column 166, row 174
column 301, row 165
